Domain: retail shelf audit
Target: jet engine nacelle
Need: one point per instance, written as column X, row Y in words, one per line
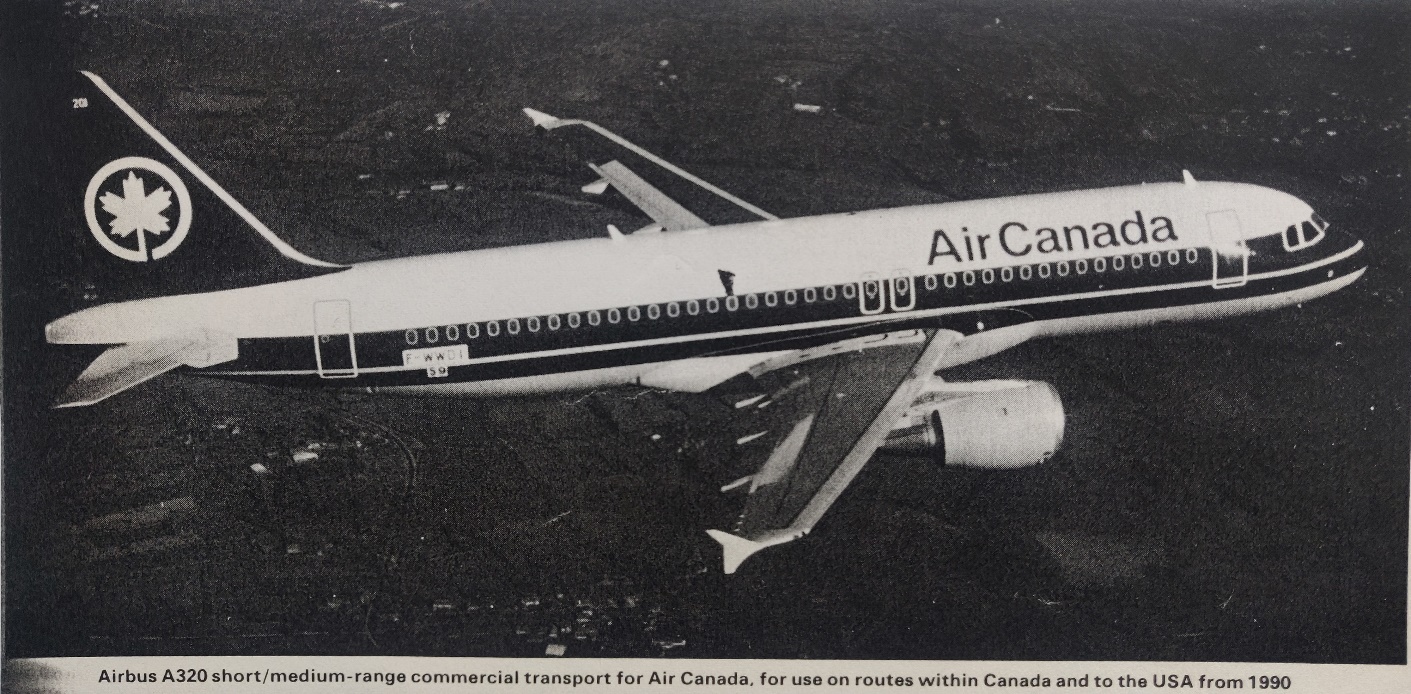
column 984, row 424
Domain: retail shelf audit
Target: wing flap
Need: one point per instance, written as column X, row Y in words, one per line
column 849, row 403
column 656, row 204
column 548, row 122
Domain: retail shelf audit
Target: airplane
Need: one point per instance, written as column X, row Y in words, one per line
column 840, row 323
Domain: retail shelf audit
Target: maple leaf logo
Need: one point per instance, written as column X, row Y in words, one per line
column 136, row 210
column 163, row 212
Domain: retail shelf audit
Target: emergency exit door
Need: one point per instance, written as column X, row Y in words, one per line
column 333, row 340
column 1227, row 249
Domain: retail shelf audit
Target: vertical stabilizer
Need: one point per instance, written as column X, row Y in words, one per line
column 135, row 216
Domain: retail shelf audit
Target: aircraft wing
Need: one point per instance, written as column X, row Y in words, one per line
column 655, row 185
column 662, row 209
column 825, row 419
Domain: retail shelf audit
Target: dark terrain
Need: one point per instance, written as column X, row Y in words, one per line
column 1234, row 490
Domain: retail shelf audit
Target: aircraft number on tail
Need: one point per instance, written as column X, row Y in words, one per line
column 80, row 102
column 131, row 198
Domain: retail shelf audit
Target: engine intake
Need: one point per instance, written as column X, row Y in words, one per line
column 985, row 424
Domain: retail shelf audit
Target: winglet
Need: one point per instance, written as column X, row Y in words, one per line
column 1186, row 175
column 541, row 119
column 738, row 549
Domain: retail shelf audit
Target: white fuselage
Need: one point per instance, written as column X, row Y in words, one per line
column 552, row 306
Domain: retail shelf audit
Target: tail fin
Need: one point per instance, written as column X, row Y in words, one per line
column 143, row 219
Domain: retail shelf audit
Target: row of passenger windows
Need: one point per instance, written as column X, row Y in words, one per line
column 1064, row 268
column 674, row 309
column 790, row 297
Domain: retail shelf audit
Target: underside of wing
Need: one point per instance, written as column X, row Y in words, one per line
column 823, row 421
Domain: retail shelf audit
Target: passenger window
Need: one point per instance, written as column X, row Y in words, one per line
column 554, row 322
column 810, row 295
column 673, row 309
column 574, row 320
column 472, row 330
column 453, row 332
column 693, row 307
column 751, row 301
column 830, row 293
column 634, row 313
column 594, row 318
column 653, row 311
column 614, row 316
column 512, row 326
column 712, row 305
column 493, row 328
column 432, row 336
column 771, row 299
column 732, row 302
column 533, row 324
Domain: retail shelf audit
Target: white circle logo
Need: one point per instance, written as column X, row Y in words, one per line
column 136, row 200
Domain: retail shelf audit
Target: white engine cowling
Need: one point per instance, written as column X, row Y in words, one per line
column 984, row 424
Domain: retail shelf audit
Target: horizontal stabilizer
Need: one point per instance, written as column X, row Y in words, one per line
column 125, row 366
column 737, row 549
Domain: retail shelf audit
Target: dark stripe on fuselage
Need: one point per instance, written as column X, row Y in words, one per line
column 1036, row 281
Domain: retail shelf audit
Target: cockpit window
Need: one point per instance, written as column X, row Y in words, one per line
column 1304, row 234
column 1311, row 233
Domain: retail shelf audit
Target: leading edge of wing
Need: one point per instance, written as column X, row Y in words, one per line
column 801, row 480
